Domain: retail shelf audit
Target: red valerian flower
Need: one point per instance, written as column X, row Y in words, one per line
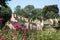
column 25, row 29
column 1, row 19
column 15, row 33
column 16, row 25
column 6, row 32
column 25, row 37
column 2, row 38
column 10, row 36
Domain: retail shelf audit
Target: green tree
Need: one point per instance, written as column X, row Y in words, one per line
column 5, row 12
column 49, row 8
column 37, row 13
column 29, row 8
column 51, row 15
column 47, row 11
column 17, row 10
column 4, row 2
column 28, row 11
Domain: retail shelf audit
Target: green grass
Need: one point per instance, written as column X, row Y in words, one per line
column 47, row 34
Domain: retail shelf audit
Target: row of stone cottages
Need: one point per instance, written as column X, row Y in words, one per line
column 36, row 24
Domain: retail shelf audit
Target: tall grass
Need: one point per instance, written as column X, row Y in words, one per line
column 47, row 34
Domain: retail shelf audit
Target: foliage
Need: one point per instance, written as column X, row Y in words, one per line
column 5, row 13
column 48, row 34
column 29, row 8
column 4, row 2
column 17, row 10
column 37, row 13
column 49, row 8
column 29, row 11
column 51, row 15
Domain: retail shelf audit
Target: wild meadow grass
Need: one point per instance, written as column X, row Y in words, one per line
column 47, row 34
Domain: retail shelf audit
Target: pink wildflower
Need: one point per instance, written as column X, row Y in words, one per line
column 2, row 39
column 1, row 19
column 6, row 32
column 10, row 36
column 25, row 37
column 15, row 33
column 16, row 25
column 25, row 29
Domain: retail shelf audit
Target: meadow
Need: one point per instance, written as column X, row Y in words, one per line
column 48, row 33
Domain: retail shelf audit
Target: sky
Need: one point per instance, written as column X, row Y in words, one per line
column 36, row 3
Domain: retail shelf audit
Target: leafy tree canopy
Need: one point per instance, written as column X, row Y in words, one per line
column 4, row 2
column 5, row 12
